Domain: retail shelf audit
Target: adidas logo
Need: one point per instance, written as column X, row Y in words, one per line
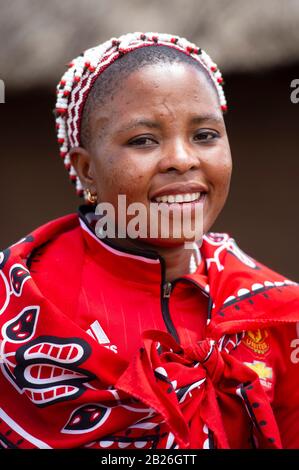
column 96, row 331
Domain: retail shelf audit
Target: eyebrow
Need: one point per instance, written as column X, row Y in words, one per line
column 140, row 123
column 156, row 125
column 207, row 117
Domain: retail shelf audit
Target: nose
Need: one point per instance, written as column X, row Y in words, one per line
column 179, row 157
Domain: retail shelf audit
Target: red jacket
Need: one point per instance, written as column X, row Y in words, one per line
column 99, row 351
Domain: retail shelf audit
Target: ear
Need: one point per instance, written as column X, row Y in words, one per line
column 82, row 162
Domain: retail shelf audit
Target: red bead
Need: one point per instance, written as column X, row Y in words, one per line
column 57, row 125
column 91, row 68
column 220, row 80
column 60, row 110
column 224, row 107
column 87, row 64
column 190, row 49
column 70, row 64
column 62, row 82
column 60, row 140
column 213, row 68
column 77, row 79
column 63, row 154
column 66, row 93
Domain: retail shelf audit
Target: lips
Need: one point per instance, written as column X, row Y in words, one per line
column 179, row 192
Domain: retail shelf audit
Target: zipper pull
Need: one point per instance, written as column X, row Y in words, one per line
column 167, row 289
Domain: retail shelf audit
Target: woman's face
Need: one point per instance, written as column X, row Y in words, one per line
column 161, row 134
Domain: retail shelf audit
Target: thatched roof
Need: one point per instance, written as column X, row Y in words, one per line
column 39, row 37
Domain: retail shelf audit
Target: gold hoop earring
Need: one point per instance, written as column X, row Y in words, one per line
column 92, row 198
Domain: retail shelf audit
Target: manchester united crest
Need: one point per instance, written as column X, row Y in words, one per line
column 257, row 341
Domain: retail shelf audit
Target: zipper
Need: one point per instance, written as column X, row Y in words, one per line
column 210, row 301
column 165, row 296
column 167, row 290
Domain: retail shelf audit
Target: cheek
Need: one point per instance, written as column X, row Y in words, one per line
column 219, row 175
column 118, row 175
column 224, row 174
column 220, row 172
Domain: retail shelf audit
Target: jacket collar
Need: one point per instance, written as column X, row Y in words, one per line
column 137, row 265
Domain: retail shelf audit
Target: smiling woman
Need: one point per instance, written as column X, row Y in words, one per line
column 122, row 341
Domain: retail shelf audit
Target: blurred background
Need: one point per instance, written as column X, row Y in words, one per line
column 256, row 45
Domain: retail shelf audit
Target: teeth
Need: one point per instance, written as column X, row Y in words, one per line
column 188, row 197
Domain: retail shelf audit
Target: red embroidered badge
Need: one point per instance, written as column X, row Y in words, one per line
column 257, row 341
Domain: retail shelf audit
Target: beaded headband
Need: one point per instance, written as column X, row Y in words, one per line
column 76, row 83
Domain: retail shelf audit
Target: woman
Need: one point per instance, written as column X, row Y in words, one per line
column 116, row 336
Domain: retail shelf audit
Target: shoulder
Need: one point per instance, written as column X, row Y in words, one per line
column 58, row 233
column 45, row 256
column 246, row 294
column 223, row 251
column 44, row 234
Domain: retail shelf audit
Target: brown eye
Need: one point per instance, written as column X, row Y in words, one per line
column 143, row 141
column 206, row 135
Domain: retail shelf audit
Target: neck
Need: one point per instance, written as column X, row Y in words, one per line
column 179, row 260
